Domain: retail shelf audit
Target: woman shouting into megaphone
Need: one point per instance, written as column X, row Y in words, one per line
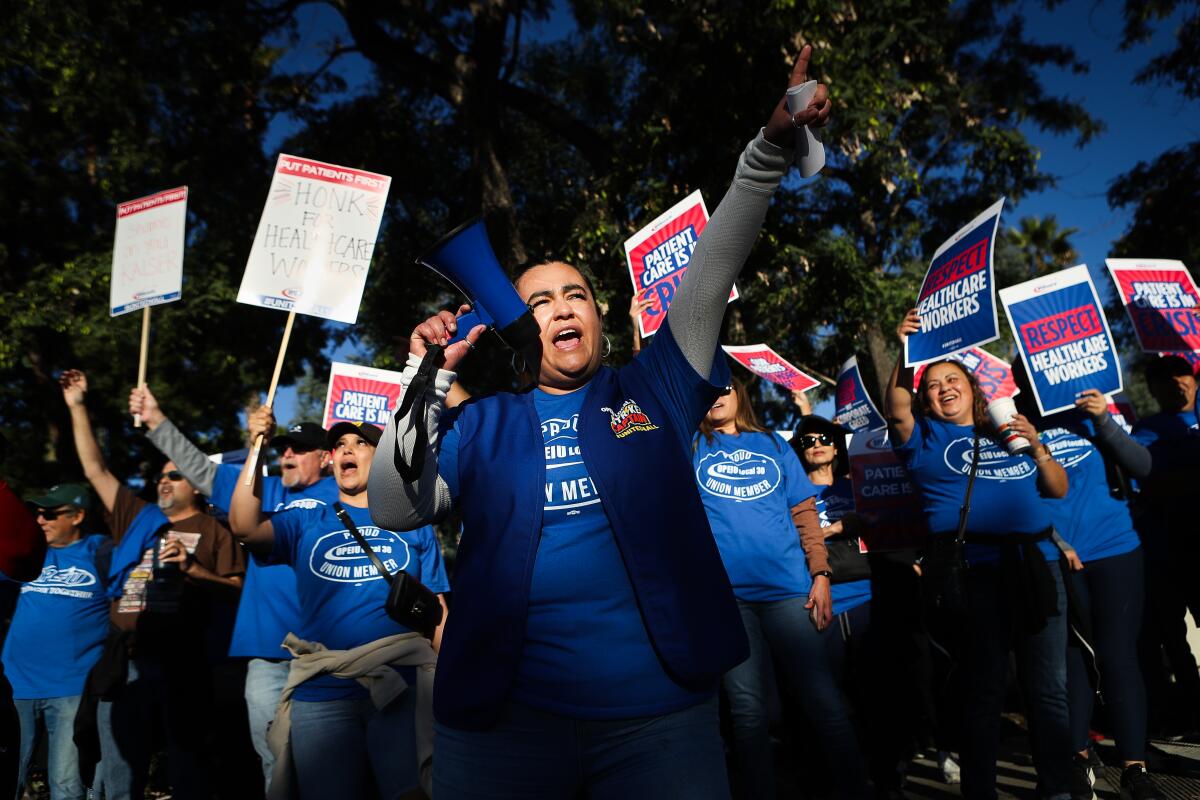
column 593, row 619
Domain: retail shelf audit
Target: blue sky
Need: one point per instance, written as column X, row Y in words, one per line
column 1142, row 122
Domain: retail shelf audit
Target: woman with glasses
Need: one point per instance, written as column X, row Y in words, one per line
column 763, row 514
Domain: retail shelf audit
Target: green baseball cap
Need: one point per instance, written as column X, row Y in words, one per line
column 65, row 494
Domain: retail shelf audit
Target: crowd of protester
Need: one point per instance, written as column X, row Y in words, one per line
column 601, row 635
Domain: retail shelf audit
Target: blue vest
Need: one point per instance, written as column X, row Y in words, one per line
column 648, row 493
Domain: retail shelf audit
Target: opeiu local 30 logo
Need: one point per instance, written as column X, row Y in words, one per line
column 338, row 557
column 995, row 463
column 742, row 475
column 630, row 419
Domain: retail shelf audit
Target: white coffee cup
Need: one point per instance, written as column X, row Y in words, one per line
column 810, row 153
column 1001, row 412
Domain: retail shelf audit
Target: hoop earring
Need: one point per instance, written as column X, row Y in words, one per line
column 519, row 370
column 606, row 350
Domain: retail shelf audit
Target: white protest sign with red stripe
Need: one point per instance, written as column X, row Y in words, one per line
column 1161, row 300
column 315, row 239
column 658, row 256
column 766, row 363
column 147, row 265
column 360, row 394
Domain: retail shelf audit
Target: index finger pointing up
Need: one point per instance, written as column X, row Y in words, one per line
column 800, row 70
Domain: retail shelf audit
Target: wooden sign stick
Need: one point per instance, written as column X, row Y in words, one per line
column 141, row 381
column 287, row 335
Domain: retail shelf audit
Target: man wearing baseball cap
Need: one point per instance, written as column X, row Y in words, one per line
column 268, row 609
column 57, row 633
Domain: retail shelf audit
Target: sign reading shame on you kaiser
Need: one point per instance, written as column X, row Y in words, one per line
column 147, row 265
column 315, row 239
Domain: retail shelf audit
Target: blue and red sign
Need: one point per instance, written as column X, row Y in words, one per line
column 769, row 365
column 852, row 405
column 957, row 303
column 1162, row 302
column 360, row 394
column 884, row 494
column 1063, row 337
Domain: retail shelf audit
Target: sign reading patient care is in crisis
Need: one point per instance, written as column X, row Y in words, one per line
column 884, row 494
column 853, row 406
column 360, row 394
column 1063, row 337
column 766, row 363
column 1161, row 300
column 147, row 265
column 315, row 239
column 658, row 256
column 957, row 300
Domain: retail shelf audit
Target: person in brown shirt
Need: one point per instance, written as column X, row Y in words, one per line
column 162, row 612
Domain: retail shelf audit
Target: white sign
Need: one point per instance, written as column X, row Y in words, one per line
column 315, row 239
column 147, row 265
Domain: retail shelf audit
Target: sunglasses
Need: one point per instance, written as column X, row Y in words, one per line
column 810, row 440
column 49, row 514
column 173, row 475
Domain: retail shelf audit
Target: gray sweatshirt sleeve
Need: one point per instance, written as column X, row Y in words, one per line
column 198, row 468
column 1130, row 455
column 396, row 504
column 699, row 306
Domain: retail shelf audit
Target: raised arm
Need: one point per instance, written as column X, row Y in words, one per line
column 1130, row 455
column 197, row 467
column 898, row 404
column 246, row 519
column 699, row 306
column 74, row 389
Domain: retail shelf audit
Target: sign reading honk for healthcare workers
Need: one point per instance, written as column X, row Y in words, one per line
column 315, row 239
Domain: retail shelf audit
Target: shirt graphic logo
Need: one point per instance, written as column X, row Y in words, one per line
column 741, row 475
column 1068, row 449
column 571, row 489
column 300, row 502
column 630, row 419
column 339, row 558
column 995, row 463
column 69, row 582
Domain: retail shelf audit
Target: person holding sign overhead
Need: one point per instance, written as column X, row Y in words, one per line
column 1006, row 577
column 593, row 617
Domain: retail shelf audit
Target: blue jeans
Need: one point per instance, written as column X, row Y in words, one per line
column 343, row 748
column 58, row 715
column 536, row 755
column 1042, row 669
column 264, row 685
column 809, row 664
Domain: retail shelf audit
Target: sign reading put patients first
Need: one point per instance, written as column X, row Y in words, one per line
column 1063, row 337
column 957, row 300
column 147, row 265
column 315, row 239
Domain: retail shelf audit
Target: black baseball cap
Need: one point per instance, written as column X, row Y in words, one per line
column 364, row 429
column 301, row 436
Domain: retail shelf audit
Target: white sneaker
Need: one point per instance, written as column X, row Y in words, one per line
column 949, row 768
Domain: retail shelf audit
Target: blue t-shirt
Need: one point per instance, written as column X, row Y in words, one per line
column 341, row 594
column 1173, row 440
column 749, row 484
column 586, row 652
column 1094, row 522
column 61, row 621
column 268, row 609
column 1005, row 500
column 834, row 502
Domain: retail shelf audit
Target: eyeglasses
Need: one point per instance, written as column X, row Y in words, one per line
column 50, row 514
column 810, row 440
column 173, row 475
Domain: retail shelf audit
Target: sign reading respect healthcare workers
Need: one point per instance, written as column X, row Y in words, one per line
column 852, row 405
column 1063, row 337
column 766, row 363
column 957, row 302
column 1161, row 300
column 147, row 265
column 315, row 239
column 884, row 494
column 658, row 255
column 993, row 374
column 360, row 394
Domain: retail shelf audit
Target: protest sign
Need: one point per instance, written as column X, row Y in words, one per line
column 1063, row 337
column 658, row 256
column 315, row 239
column 852, row 405
column 1161, row 300
column 1121, row 410
column 884, row 494
column 957, row 303
column 766, row 363
column 994, row 374
column 360, row 394
column 1190, row 356
column 147, row 264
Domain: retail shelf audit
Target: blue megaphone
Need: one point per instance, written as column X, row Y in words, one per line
column 464, row 256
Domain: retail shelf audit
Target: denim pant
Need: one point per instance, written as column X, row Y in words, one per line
column 58, row 716
column 264, row 685
column 343, row 748
column 536, row 755
column 809, row 664
column 1111, row 592
column 1042, row 669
